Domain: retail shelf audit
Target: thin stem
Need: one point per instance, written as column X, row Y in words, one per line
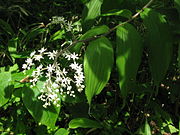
column 104, row 34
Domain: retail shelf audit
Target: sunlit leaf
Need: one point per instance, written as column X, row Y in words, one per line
column 62, row 131
column 98, row 62
column 83, row 123
column 145, row 129
column 124, row 13
column 158, row 42
column 128, row 56
column 90, row 12
column 5, row 87
column 90, row 33
column 57, row 35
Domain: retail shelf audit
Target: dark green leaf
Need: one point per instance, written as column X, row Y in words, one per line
column 128, row 56
column 46, row 116
column 98, row 62
column 159, row 43
column 6, row 27
column 177, row 4
column 109, row 5
column 83, row 123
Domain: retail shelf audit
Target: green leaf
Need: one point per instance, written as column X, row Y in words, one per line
column 5, row 87
column 57, row 35
column 91, row 33
column 124, row 13
column 62, row 131
column 172, row 129
column 6, row 27
column 159, row 43
column 98, row 62
column 34, row 33
column 83, row 123
column 90, row 13
column 145, row 130
column 12, row 47
column 128, row 56
column 46, row 116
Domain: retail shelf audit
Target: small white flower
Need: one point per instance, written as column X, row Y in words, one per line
column 32, row 54
column 64, row 71
column 24, row 66
column 74, row 56
column 74, row 65
column 55, row 85
column 52, row 55
column 29, row 61
column 42, row 50
column 38, row 57
column 50, row 68
column 40, row 67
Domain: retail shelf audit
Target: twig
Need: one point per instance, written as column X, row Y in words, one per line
column 104, row 34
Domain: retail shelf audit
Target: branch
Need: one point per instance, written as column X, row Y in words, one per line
column 104, row 34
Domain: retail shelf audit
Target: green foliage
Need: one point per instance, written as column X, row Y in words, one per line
column 46, row 116
column 97, row 75
column 62, row 131
column 83, row 123
column 90, row 33
column 159, row 44
column 120, row 95
column 128, row 56
column 5, row 87
column 91, row 12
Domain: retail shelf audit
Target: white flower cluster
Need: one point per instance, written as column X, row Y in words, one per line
column 60, row 80
column 65, row 24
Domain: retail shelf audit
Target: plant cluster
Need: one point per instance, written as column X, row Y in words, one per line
column 90, row 67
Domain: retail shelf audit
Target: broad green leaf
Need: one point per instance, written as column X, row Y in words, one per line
column 98, row 62
column 128, row 56
column 124, row 13
column 90, row 33
column 90, row 13
column 159, row 43
column 83, row 123
column 62, row 131
column 5, row 87
column 46, row 116
column 6, row 27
